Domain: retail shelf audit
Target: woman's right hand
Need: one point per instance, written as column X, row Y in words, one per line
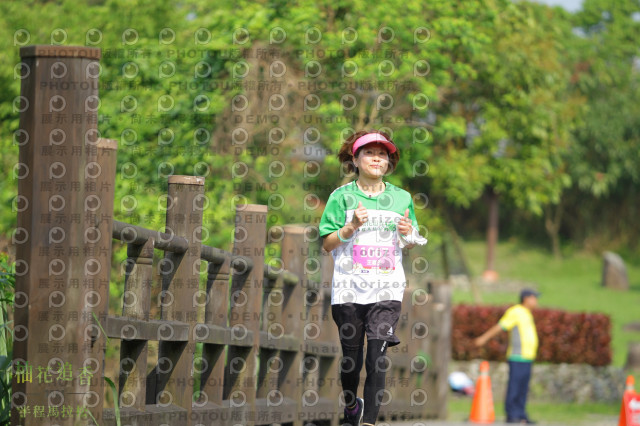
column 360, row 216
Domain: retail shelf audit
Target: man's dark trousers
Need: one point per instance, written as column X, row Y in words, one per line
column 519, row 375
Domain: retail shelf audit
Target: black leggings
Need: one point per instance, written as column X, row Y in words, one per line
column 376, row 367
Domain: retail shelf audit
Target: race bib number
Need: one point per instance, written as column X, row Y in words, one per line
column 374, row 257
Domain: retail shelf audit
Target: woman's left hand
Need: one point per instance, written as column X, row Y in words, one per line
column 404, row 225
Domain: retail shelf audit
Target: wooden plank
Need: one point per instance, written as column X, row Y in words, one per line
column 213, row 414
column 134, row 234
column 275, row 409
column 159, row 330
column 212, row 334
column 320, row 411
column 322, row 349
column 129, row 416
column 284, row 342
column 152, row 415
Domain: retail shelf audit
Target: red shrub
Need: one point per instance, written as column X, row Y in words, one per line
column 576, row 338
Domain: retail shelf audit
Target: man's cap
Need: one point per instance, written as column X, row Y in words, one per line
column 526, row 292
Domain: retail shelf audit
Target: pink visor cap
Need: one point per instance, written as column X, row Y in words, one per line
column 370, row 138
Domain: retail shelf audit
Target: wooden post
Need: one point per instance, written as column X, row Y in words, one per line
column 101, row 176
column 267, row 380
column 313, row 408
column 400, row 356
column 294, row 255
column 440, row 341
column 393, row 400
column 216, row 311
column 53, row 322
column 180, row 285
column 329, row 387
column 246, row 305
column 330, row 331
column 415, row 369
column 136, row 305
column 270, row 356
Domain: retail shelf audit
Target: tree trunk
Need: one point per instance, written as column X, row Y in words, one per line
column 552, row 220
column 445, row 260
column 492, row 237
column 475, row 291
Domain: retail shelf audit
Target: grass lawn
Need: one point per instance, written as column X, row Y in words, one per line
column 571, row 283
column 557, row 413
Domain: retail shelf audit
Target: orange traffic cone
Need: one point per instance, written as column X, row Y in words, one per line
column 482, row 406
column 630, row 409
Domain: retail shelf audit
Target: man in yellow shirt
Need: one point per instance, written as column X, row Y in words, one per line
column 523, row 346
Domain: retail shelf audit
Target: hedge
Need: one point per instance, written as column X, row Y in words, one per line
column 564, row 337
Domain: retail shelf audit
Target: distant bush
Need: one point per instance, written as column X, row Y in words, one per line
column 574, row 338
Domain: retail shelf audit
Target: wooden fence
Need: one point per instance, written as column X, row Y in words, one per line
column 269, row 350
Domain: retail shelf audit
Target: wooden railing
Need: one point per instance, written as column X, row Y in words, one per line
column 269, row 350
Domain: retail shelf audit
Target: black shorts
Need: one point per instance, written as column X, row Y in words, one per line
column 376, row 320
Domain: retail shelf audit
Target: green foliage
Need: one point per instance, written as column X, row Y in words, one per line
column 114, row 393
column 7, row 280
column 7, row 290
column 518, row 104
column 605, row 157
column 496, row 94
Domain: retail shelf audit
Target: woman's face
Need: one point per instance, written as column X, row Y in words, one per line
column 372, row 160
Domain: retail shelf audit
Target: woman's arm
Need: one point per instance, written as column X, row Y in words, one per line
column 331, row 241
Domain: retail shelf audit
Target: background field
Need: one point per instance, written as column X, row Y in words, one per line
column 572, row 283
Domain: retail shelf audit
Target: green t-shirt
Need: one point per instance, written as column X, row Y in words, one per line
column 368, row 268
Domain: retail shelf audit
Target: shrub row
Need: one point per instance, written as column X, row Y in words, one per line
column 564, row 337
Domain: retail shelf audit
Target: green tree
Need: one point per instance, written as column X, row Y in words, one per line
column 517, row 113
column 604, row 162
column 601, row 160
